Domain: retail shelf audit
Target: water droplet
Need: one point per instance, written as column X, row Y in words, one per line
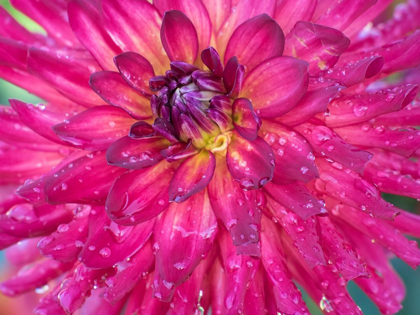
column 105, row 252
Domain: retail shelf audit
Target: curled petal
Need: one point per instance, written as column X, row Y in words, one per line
column 88, row 131
column 136, row 153
column 245, row 120
column 251, row 163
column 192, row 176
column 179, row 37
column 109, row 243
column 240, row 211
column 85, row 180
column 293, row 156
column 190, row 225
column 135, row 70
column 270, row 96
column 233, row 76
column 113, row 90
column 211, row 59
column 140, row 195
column 256, row 40
column 319, row 45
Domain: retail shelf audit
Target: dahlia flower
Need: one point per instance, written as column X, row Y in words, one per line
column 205, row 156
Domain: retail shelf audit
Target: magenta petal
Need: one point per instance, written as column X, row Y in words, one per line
column 270, row 96
column 327, row 143
column 240, row 211
column 115, row 91
column 303, row 234
column 140, row 195
column 65, row 244
column 297, row 198
column 96, row 128
column 293, row 156
column 288, row 12
column 256, row 40
column 245, row 120
column 194, row 10
column 136, row 153
column 135, row 70
column 179, row 37
column 85, row 180
column 26, row 220
column 319, row 45
column 33, row 277
column 69, row 75
column 179, row 151
column 314, row 102
column 211, row 59
column 251, row 163
column 24, row 252
column 233, row 76
column 192, row 176
column 109, row 243
column 351, row 189
column 39, row 118
column 190, row 225
column 86, row 20
column 287, row 296
column 130, row 274
column 239, row 270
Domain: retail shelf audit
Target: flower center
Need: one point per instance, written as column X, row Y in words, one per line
column 192, row 105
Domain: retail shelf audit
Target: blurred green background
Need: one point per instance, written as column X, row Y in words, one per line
column 411, row 277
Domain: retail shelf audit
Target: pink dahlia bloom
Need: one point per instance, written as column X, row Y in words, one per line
column 197, row 156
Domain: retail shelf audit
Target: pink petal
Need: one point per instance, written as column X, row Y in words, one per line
column 355, row 72
column 320, row 46
column 211, row 59
column 348, row 110
column 39, row 118
column 340, row 15
column 243, row 11
column 21, row 167
column 7, row 240
column 86, row 21
column 340, row 253
column 314, row 102
column 293, row 156
column 16, row 133
column 23, row 253
column 136, row 32
column 407, row 223
column 254, row 301
column 327, row 143
column 49, row 304
column 217, row 287
column 408, row 116
column 256, row 40
column 192, row 176
column 239, row 270
column 25, row 220
column 190, row 225
column 13, row 54
column 240, row 211
column 233, row 77
column 96, row 305
column 70, row 76
column 115, row 91
column 52, row 17
column 85, row 180
column 351, row 189
column 289, row 12
column 65, row 244
column 130, row 274
column 135, row 70
column 246, row 122
column 96, row 128
column 136, row 153
column 176, row 25
column 139, row 195
column 287, row 296
column 33, row 277
column 109, row 243
column 382, row 233
column 297, row 198
column 303, row 234
column 251, row 163
column 271, row 97
column 404, row 141
column 196, row 12
column 8, row 198
column 219, row 11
